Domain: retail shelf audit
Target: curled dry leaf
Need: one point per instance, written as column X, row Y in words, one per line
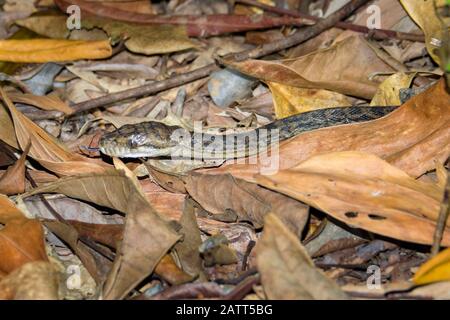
column 365, row 192
column 13, row 180
column 233, row 199
column 287, row 272
column 425, row 16
column 21, row 239
column 49, row 50
column 344, row 67
column 388, row 93
column 412, row 138
column 46, row 149
column 33, row 281
column 147, row 237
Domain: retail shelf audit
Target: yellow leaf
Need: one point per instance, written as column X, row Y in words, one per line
column 424, row 14
column 388, row 93
column 435, row 269
column 47, row 50
column 290, row 100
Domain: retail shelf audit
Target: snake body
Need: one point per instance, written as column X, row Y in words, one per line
column 155, row 139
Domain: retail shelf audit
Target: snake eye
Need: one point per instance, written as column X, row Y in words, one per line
column 137, row 140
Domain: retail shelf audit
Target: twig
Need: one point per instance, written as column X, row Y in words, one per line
column 303, row 34
column 243, row 288
column 379, row 34
column 147, row 89
column 155, row 87
column 442, row 219
column 250, row 246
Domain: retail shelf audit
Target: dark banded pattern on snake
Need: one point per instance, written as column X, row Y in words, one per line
column 154, row 139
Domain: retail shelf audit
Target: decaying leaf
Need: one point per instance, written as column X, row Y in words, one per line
column 287, row 272
column 147, row 237
column 234, row 199
column 365, row 192
column 13, row 180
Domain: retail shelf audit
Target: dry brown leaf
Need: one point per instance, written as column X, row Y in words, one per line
column 365, row 192
column 46, row 149
column 412, row 138
column 147, row 237
column 344, row 67
column 33, row 281
column 188, row 248
column 230, row 199
column 13, row 180
column 21, row 241
column 287, row 272
column 49, row 50
column 170, row 272
column 42, row 102
column 9, row 211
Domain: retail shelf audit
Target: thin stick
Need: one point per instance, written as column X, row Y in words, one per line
column 155, row 87
column 379, row 34
column 442, row 219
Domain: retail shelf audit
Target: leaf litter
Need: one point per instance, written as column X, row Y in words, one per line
column 344, row 199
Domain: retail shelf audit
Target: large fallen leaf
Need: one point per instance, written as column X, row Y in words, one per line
column 388, row 93
column 47, row 150
column 366, row 192
column 425, row 16
column 13, row 180
column 413, row 138
column 196, row 26
column 434, row 270
column 21, row 239
column 292, row 100
column 49, row 50
column 230, row 199
column 33, row 281
column 287, row 272
column 345, row 67
column 147, row 237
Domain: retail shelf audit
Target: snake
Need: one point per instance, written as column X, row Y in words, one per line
column 154, row 139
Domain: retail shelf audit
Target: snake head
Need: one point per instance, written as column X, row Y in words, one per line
column 146, row 139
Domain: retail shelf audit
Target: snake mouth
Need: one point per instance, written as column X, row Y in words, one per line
column 112, row 149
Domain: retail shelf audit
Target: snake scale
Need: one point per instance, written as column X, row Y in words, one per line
column 154, row 139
